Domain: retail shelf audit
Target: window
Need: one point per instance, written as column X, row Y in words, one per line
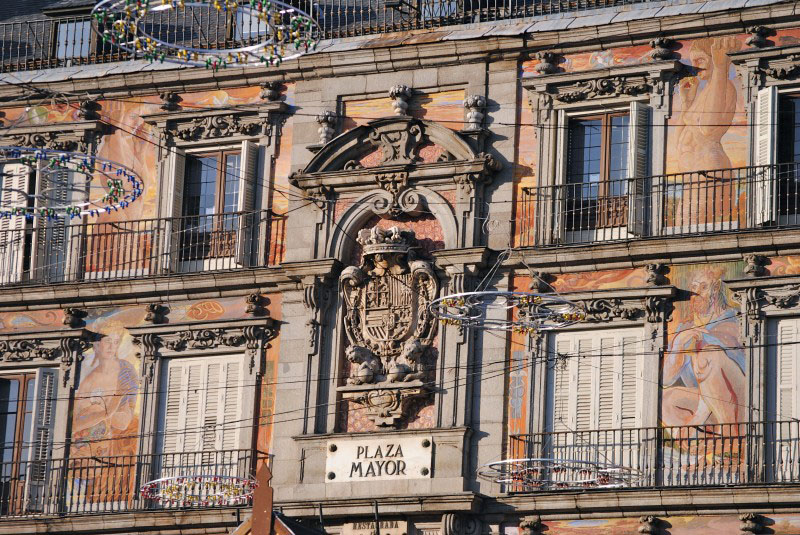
column 211, row 203
column 594, row 392
column 602, row 162
column 788, row 186
column 438, row 9
column 597, row 171
column 783, row 398
column 200, row 413
column 27, row 417
column 58, row 242
column 73, row 39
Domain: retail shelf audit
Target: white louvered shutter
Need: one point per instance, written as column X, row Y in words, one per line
column 57, row 249
column 560, row 393
column 584, row 387
column 638, row 167
column 201, row 405
column 176, row 167
column 786, row 355
column 15, row 183
column 247, row 193
column 766, row 128
column 41, row 439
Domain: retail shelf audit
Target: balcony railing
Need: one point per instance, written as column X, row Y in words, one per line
column 675, row 456
column 90, row 485
column 69, row 41
column 682, row 204
column 72, row 251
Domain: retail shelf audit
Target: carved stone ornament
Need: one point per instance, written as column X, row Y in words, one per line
column 768, row 65
column 89, row 110
column 271, row 91
column 608, row 309
column 75, row 137
column 751, row 523
column 182, row 127
column 531, row 525
column 387, row 321
column 548, row 63
column 327, row 126
column 170, row 101
column 655, row 274
column 754, row 265
column 401, row 94
column 604, row 87
column 475, row 106
column 460, row 524
column 73, row 317
column 758, row 36
column 662, row 48
column 176, row 339
column 64, row 347
column 156, row 313
column 649, row 525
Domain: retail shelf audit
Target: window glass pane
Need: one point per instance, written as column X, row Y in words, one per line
column 73, row 39
column 9, row 394
column 200, row 187
column 583, row 163
column 618, row 155
column 232, row 171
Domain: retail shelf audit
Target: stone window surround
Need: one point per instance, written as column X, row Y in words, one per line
column 646, row 307
column 62, row 348
column 581, row 92
column 762, row 299
column 199, row 339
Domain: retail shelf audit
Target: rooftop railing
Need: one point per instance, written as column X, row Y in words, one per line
column 673, row 456
column 60, row 251
column 100, row 485
column 68, row 41
column 681, row 204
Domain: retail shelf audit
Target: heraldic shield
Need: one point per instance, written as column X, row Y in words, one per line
column 388, row 324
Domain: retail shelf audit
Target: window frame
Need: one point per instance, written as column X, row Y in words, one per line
column 222, row 156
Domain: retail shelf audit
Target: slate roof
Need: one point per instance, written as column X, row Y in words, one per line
column 30, row 10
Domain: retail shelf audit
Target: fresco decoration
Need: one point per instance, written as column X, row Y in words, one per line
column 526, row 162
column 783, row 265
column 107, row 405
column 600, row 280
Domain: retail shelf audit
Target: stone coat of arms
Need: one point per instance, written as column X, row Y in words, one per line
column 388, row 324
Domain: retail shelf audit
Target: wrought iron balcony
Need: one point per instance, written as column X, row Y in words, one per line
column 87, row 485
column 67, row 41
column 675, row 456
column 64, row 250
column 681, row 204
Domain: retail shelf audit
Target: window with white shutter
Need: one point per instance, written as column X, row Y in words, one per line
column 15, row 183
column 763, row 188
column 200, row 410
column 41, row 438
column 783, row 398
column 594, row 394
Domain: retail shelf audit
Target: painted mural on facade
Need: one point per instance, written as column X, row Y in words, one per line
column 107, row 401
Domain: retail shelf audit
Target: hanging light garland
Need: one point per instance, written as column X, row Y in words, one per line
column 521, row 312
column 200, row 490
column 282, row 31
column 118, row 186
column 541, row 474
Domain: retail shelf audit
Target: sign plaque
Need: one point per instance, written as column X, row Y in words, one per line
column 379, row 459
column 387, row 527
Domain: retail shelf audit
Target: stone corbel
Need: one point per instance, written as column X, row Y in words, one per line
column 755, row 265
column 655, row 274
column 649, row 525
column 752, row 523
column 271, row 91
column 327, row 129
column 531, row 525
column 37, row 349
column 401, row 95
column 662, row 48
column 317, row 297
column 83, row 136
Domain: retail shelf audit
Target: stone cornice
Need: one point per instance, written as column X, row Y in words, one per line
column 63, row 347
column 648, row 304
column 415, row 56
column 75, row 136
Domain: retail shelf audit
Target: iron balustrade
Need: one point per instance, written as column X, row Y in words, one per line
column 676, row 456
column 679, row 204
column 66, row 41
column 66, row 250
column 111, row 484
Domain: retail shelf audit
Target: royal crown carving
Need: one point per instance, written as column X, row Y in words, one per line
column 387, row 321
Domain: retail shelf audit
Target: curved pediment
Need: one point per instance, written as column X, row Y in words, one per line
column 391, row 141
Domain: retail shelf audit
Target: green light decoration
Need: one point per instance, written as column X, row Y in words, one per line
column 276, row 31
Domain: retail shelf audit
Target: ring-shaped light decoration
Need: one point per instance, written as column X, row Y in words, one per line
column 282, row 32
column 521, row 312
column 200, row 490
column 117, row 185
column 541, row 474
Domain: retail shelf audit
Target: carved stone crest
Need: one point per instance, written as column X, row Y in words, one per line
column 387, row 321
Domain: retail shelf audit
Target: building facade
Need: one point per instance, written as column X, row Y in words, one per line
column 266, row 302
